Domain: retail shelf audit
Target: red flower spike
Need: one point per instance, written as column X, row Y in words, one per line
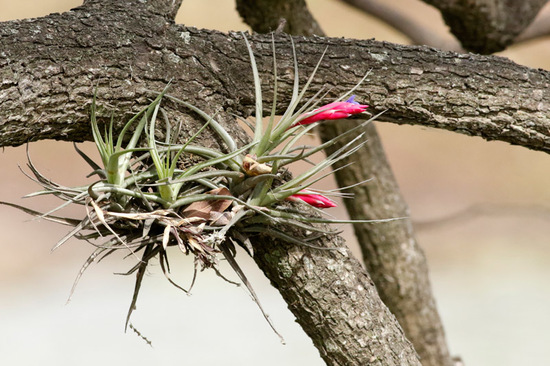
column 313, row 199
column 335, row 110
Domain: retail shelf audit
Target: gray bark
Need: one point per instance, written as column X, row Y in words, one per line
column 394, row 259
column 335, row 302
column 49, row 67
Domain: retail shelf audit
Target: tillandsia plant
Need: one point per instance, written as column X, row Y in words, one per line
column 144, row 199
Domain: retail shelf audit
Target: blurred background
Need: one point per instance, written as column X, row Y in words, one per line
column 480, row 208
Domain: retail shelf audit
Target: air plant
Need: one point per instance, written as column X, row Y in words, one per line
column 144, row 200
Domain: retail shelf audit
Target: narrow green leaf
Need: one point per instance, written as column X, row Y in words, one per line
column 180, row 151
column 258, row 128
column 99, row 142
column 265, row 141
column 286, row 122
column 215, row 161
column 229, row 141
column 137, row 133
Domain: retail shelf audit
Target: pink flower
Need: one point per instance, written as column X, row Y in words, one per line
column 313, row 199
column 335, row 110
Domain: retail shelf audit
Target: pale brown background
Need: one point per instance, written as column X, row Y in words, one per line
column 490, row 273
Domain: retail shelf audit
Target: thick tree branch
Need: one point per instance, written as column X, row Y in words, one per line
column 335, row 302
column 393, row 258
column 50, row 65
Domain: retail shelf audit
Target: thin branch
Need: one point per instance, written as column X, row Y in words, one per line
column 539, row 28
column 487, row 26
column 484, row 209
column 417, row 32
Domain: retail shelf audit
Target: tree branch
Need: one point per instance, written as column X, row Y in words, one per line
column 487, row 26
column 393, row 258
column 402, row 22
column 264, row 16
column 50, row 66
column 540, row 27
column 335, row 302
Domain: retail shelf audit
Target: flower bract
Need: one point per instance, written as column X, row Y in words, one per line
column 313, row 199
column 335, row 110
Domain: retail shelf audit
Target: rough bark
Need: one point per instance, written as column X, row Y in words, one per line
column 50, row 67
column 393, row 258
column 487, row 26
column 336, row 303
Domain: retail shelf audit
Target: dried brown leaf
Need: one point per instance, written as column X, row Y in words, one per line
column 203, row 209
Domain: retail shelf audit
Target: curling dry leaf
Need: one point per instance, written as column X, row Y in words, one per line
column 209, row 210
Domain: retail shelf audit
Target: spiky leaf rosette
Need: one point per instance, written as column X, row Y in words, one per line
column 144, row 201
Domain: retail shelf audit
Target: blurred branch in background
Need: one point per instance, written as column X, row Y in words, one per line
column 486, row 209
column 539, row 28
column 487, row 26
column 419, row 34
column 400, row 20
